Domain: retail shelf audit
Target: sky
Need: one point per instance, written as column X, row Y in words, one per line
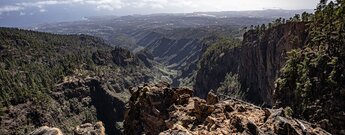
column 14, row 13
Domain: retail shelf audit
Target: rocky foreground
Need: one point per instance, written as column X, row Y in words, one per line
column 159, row 109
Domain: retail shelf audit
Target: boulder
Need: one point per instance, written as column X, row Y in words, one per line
column 89, row 129
column 45, row 130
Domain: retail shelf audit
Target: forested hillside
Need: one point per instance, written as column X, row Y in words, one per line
column 32, row 62
column 46, row 75
column 312, row 81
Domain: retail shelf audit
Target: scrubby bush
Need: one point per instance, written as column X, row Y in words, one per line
column 231, row 87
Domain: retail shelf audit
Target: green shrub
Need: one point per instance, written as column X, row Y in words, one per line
column 231, row 87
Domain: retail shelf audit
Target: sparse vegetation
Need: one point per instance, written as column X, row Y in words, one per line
column 217, row 49
column 304, row 17
column 231, row 87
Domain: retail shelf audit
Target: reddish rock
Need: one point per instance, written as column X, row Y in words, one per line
column 162, row 110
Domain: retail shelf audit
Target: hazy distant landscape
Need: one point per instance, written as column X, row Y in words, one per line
column 26, row 13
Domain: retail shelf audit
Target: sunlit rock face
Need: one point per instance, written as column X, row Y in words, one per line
column 159, row 109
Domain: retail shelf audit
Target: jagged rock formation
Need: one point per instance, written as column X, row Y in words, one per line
column 159, row 109
column 257, row 62
column 108, row 104
column 74, row 102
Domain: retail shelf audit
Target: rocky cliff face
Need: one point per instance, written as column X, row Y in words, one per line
column 75, row 101
column 159, row 109
column 257, row 62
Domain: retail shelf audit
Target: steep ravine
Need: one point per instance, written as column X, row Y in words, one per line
column 173, row 51
column 109, row 106
column 257, row 62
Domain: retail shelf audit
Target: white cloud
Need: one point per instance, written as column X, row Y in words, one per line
column 99, row 4
column 22, row 13
column 106, row 4
column 38, row 4
column 106, row 7
column 41, row 4
column 10, row 8
column 42, row 10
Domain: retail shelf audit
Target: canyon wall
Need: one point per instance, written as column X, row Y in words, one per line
column 257, row 62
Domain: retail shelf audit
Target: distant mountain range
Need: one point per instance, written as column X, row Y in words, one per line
column 25, row 20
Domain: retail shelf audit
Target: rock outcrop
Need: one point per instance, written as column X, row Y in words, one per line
column 75, row 101
column 107, row 104
column 46, row 131
column 84, row 129
column 159, row 109
column 257, row 62
column 89, row 129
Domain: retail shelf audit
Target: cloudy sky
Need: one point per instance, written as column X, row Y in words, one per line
column 31, row 12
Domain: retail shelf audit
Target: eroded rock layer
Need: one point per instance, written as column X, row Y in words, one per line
column 159, row 109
